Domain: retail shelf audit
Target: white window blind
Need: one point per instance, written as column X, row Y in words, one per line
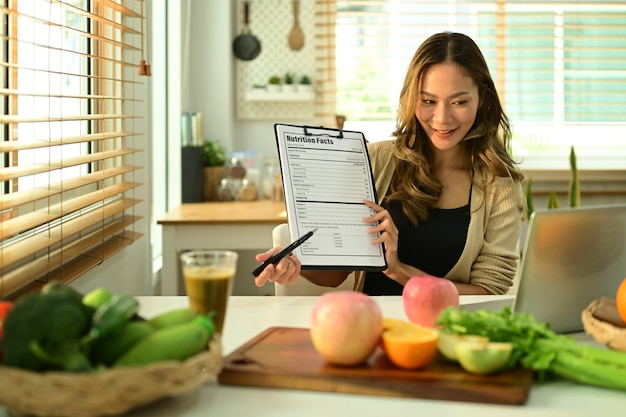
column 68, row 141
column 559, row 65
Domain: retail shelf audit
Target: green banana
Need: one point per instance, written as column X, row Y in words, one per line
column 171, row 343
column 97, row 297
column 173, row 318
column 108, row 349
column 111, row 316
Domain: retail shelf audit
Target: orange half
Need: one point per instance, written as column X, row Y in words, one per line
column 620, row 300
column 409, row 345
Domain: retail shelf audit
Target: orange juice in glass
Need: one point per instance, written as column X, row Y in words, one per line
column 208, row 278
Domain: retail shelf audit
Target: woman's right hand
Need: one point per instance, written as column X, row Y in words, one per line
column 285, row 272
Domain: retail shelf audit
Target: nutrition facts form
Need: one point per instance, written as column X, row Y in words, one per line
column 326, row 176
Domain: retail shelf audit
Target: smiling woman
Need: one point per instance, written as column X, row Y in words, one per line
column 68, row 138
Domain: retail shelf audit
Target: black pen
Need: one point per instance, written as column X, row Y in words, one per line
column 280, row 255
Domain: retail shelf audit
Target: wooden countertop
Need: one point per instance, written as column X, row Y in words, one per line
column 227, row 212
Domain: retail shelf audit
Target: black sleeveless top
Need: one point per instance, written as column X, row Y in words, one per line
column 433, row 246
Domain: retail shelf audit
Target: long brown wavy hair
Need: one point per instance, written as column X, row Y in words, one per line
column 486, row 143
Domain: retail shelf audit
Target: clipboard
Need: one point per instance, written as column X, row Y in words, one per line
column 326, row 175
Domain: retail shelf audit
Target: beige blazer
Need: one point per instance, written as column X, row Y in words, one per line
column 491, row 253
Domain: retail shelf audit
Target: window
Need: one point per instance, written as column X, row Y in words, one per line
column 560, row 67
column 67, row 137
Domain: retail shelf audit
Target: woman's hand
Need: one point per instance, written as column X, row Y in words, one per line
column 285, row 272
column 385, row 225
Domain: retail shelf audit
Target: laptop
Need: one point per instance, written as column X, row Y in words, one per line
column 571, row 257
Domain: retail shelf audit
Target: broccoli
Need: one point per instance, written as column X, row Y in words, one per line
column 43, row 330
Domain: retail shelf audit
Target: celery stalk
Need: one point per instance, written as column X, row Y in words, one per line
column 614, row 357
column 573, row 374
column 537, row 347
column 589, row 371
column 592, row 353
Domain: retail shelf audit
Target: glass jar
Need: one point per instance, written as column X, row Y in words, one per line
column 268, row 178
column 225, row 191
column 248, row 191
column 277, row 191
column 236, row 170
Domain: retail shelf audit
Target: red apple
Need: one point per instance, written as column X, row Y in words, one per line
column 425, row 296
column 346, row 327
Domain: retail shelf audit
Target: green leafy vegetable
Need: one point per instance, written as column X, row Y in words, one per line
column 537, row 347
column 43, row 330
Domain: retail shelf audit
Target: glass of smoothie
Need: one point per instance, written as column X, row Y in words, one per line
column 208, row 276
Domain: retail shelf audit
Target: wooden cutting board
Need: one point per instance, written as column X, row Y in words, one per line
column 284, row 357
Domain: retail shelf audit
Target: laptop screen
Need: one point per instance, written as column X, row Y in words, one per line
column 571, row 257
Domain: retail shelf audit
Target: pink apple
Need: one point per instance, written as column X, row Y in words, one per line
column 346, row 327
column 425, row 296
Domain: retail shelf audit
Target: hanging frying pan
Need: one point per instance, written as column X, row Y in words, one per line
column 246, row 46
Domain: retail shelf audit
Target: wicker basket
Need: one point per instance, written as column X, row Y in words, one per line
column 111, row 392
column 602, row 331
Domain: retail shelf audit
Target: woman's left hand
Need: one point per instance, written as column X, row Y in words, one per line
column 385, row 225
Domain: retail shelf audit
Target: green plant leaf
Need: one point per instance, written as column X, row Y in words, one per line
column 213, row 154
column 574, row 185
column 553, row 200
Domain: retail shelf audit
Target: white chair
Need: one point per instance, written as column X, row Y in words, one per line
column 281, row 237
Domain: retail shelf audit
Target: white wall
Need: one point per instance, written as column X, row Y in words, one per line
column 207, row 83
column 127, row 272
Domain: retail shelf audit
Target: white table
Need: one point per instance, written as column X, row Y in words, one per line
column 248, row 316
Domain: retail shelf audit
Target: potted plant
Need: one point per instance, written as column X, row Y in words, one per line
column 305, row 85
column 274, row 84
column 573, row 194
column 290, row 79
column 213, row 161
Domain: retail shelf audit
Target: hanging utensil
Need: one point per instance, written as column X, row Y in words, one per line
column 296, row 36
column 246, row 46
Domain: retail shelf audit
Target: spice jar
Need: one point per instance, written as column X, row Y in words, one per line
column 236, row 169
column 248, row 191
column 277, row 191
column 268, row 180
column 225, row 192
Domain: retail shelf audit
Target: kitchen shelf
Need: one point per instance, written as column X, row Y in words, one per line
column 261, row 95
